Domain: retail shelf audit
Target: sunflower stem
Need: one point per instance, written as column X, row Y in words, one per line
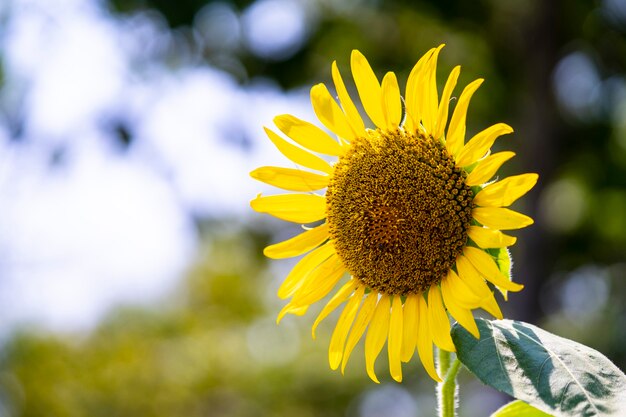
column 443, row 361
column 447, row 391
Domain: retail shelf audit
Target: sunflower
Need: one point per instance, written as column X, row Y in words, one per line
column 410, row 212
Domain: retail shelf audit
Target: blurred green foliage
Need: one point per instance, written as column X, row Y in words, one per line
column 196, row 355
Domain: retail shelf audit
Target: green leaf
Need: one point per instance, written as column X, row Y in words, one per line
column 554, row 374
column 519, row 408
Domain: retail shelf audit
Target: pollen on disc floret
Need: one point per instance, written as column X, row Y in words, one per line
column 398, row 211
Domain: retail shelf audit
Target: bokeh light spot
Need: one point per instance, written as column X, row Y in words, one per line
column 388, row 400
column 275, row 29
column 219, row 26
column 577, row 86
column 584, row 293
column 563, row 205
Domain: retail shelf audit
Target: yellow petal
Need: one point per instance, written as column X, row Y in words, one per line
column 431, row 97
column 298, row 155
column 360, row 324
column 368, row 87
column 456, row 131
column 286, row 310
column 308, row 135
column 414, row 97
column 503, row 193
column 476, row 283
column 442, row 114
column 298, row 244
column 354, row 118
column 456, row 289
column 300, row 311
column 376, row 335
column 395, row 339
column 469, row 275
column 460, row 313
column 424, row 339
column 339, row 297
column 291, row 309
column 320, row 282
column 329, row 112
column 487, row 267
column 438, row 320
column 489, row 238
column 290, row 179
column 338, row 339
column 490, row 305
column 409, row 327
column 487, row 168
column 501, row 218
column 392, row 104
column 305, row 266
column 480, row 144
column 297, row 208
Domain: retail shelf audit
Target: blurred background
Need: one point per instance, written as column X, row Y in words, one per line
column 131, row 276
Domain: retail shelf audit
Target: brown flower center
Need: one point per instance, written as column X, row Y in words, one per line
column 399, row 211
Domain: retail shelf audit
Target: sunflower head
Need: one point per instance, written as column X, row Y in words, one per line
column 398, row 211
column 411, row 218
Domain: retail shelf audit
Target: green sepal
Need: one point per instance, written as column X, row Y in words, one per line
column 504, row 261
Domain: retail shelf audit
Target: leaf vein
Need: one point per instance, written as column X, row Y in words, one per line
column 564, row 367
column 496, row 348
column 541, row 369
